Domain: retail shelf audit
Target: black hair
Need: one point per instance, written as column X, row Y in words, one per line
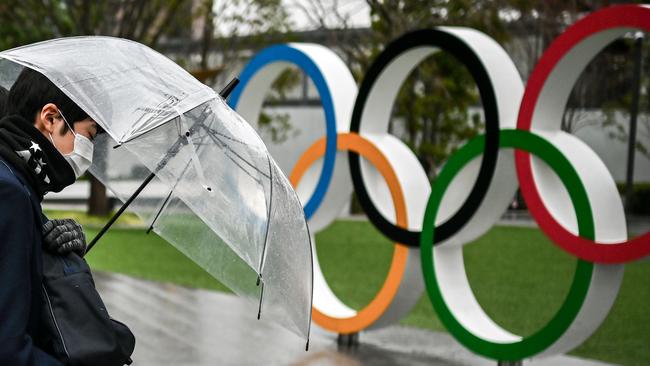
column 32, row 90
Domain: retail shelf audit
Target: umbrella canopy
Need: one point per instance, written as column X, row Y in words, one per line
column 225, row 203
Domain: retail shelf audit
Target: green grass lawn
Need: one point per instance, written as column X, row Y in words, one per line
column 518, row 276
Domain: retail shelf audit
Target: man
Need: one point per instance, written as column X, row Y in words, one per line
column 46, row 142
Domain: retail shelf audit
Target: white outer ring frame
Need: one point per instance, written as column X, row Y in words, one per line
column 508, row 89
column 607, row 208
column 340, row 87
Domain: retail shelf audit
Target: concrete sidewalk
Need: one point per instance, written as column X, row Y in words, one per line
column 180, row 326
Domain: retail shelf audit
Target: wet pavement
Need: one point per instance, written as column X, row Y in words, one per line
column 175, row 325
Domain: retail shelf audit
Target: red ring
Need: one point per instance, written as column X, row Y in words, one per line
column 628, row 16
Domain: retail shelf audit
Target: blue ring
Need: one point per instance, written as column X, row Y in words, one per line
column 287, row 53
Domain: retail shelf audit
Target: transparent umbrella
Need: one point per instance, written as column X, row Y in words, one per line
column 211, row 188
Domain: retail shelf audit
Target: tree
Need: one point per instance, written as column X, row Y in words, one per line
column 617, row 109
column 27, row 21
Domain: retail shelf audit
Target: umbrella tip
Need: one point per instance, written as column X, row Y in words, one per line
column 307, row 345
column 259, row 310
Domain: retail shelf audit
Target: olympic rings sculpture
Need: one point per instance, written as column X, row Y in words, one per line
column 567, row 188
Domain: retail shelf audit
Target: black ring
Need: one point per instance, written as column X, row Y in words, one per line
column 465, row 55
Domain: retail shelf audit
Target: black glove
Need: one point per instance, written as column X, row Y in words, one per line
column 63, row 236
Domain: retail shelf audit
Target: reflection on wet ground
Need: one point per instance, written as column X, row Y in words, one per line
column 179, row 326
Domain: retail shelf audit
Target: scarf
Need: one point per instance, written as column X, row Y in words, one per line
column 34, row 156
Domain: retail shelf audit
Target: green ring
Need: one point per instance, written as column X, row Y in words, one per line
column 565, row 316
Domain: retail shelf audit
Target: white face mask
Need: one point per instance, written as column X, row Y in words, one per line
column 81, row 156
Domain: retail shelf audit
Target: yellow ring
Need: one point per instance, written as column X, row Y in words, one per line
column 374, row 310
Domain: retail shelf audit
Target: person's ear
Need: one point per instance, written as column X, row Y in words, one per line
column 46, row 117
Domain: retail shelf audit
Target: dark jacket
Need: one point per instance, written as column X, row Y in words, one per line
column 21, row 269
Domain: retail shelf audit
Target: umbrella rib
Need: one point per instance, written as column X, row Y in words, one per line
column 120, row 143
column 162, row 207
column 257, row 180
column 266, row 237
column 163, row 123
column 160, row 78
column 228, row 137
column 224, row 93
column 268, row 214
column 212, row 133
column 180, row 176
column 311, row 303
column 227, row 149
